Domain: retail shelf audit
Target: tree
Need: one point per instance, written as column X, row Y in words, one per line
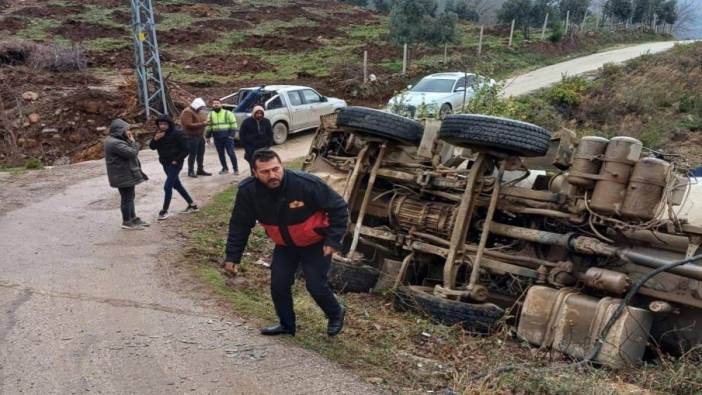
column 619, row 10
column 577, row 9
column 667, row 12
column 442, row 28
column 382, row 6
column 415, row 21
column 463, row 10
column 360, row 3
column 519, row 11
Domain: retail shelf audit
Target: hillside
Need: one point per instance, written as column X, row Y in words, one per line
column 76, row 58
column 655, row 98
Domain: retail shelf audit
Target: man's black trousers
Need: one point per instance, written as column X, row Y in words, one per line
column 196, row 144
column 315, row 267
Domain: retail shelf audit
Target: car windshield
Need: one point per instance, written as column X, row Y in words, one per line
column 433, row 85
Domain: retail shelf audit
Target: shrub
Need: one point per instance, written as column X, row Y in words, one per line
column 568, row 93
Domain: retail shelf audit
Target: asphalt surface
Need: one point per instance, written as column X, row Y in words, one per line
column 550, row 75
column 90, row 308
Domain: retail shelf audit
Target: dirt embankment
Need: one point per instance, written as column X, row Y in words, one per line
column 58, row 111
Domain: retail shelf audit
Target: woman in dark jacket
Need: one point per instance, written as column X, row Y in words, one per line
column 124, row 170
column 172, row 147
column 255, row 133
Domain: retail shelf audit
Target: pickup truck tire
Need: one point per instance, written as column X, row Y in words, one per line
column 280, row 133
column 352, row 278
column 381, row 124
column 445, row 111
column 499, row 134
column 480, row 318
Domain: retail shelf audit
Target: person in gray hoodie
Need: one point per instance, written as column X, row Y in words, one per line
column 124, row 171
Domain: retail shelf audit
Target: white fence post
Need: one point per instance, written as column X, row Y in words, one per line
column 511, row 33
column 480, row 43
column 445, row 53
column 543, row 30
column 365, row 67
column 404, row 59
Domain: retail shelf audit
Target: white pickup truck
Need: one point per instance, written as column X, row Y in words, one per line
column 290, row 108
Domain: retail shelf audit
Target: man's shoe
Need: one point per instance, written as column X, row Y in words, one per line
column 141, row 222
column 162, row 215
column 191, row 174
column 236, row 172
column 224, row 171
column 276, row 330
column 337, row 324
column 203, row 173
column 130, row 225
column 192, row 208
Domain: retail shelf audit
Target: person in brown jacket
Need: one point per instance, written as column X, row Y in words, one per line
column 194, row 120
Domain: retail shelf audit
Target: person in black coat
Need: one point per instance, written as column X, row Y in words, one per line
column 124, row 170
column 173, row 148
column 255, row 133
column 306, row 219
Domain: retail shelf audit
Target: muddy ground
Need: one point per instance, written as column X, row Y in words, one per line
column 78, row 31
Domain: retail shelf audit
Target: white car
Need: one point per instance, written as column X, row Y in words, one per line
column 290, row 108
column 437, row 95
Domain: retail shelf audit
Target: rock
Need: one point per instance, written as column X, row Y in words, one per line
column 62, row 161
column 91, row 107
column 30, row 96
column 375, row 380
column 49, row 130
column 101, row 129
column 34, row 118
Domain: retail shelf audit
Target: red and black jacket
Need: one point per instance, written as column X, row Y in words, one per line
column 303, row 211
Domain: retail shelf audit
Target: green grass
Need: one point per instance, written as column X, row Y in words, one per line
column 38, row 28
column 274, row 26
column 105, row 44
column 174, row 20
column 29, row 164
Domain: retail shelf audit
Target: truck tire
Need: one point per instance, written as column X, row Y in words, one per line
column 499, row 134
column 280, row 133
column 382, row 124
column 352, row 278
column 479, row 318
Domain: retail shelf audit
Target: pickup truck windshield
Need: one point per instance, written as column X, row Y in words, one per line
column 433, row 85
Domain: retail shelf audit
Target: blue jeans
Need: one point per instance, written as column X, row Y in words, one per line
column 127, row 203
column 226, row 144
column 173, row 182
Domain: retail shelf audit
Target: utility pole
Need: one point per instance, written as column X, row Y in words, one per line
column 511, row 33
column 152, row 90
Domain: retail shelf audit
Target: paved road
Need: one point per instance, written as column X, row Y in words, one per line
column 550, row 75
column 87, row 307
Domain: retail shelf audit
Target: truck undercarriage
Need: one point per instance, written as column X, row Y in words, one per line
column 454, row 218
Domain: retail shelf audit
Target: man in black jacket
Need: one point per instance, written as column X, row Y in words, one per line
column 255, row 133
column 306, row 219
column 173, row 148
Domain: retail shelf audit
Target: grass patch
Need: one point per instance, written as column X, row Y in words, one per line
column 38, row 30
column 29, row 164
column 174, row 20
column 105, row 44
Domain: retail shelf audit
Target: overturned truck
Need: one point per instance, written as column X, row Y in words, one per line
column 474, row 217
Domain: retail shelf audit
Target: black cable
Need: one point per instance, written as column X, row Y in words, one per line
column 599, row 342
